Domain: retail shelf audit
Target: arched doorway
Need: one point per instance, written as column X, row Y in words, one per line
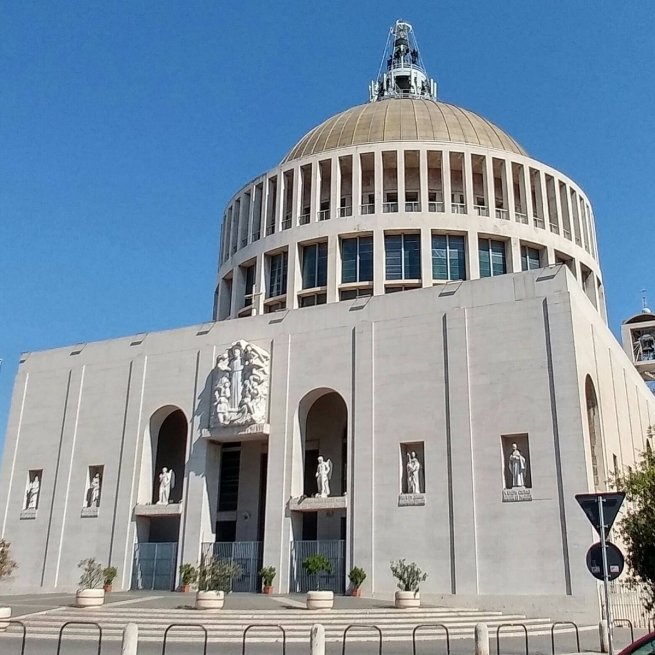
column 158, row 521
column 595, row 436
column 323, row 428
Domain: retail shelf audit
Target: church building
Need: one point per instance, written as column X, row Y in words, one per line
column 409, row 357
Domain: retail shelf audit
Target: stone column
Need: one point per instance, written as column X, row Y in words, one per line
column 333, row 268
column 447, row 182
column 378, row 262
column 400, row 179
column 426, row 257
column 357, row 183
column 423, row 177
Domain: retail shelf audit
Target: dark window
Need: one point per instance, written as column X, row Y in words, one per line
column 314, row 265
column 250, row 285
column 357, row 260
column 277, row 284
column 402, row 256
column 351, row 294
column 492, row 257
column 228, row 488
column 314, row 299
column 448, row 257
column 529, row 258
column 226, row 531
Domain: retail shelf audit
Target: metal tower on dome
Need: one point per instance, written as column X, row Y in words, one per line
column 402, row 74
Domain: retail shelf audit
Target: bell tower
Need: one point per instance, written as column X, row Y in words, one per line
column 638, row 336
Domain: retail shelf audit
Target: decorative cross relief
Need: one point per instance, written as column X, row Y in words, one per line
column 240, row 386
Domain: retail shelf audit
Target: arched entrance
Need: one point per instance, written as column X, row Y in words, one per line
column 158, row 517
column 323, row 429
column 595, row 436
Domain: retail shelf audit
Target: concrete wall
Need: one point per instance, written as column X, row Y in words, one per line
column 455, row 367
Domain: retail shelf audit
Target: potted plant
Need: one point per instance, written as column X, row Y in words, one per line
column 7, row 566
column 317, row 599
column 188, row 575
column 109, row 574
column 409, row 578
column 90, row 592
column 267, row 575
column 356, row 577
column 214, row 581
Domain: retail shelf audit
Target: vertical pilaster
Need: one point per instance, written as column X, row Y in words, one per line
column 423, row 178
column 294, row 281
column 279, row 209
column 472, row 255
column 316, row 191
column 333, row 268
column 361, row 443
column 277, row 533
column 467, row 176
column 297, row 197
column 259, row 289
column 514, row 256
column 508, row 188
column 379, row 182
column 335, row 187
column 426, row 257
column 447, row 181
column 378, row 263
column 490, row 186
column 357, row 183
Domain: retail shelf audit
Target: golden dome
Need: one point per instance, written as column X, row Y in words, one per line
column 403, row 119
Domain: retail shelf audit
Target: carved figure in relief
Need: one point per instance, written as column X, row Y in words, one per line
column 166, row 483
column 323, row 476
column 413, row 470
column 517, row 467
column 94, row 492
column 33, row 491
column 240, row 391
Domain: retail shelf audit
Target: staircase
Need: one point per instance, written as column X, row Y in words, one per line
column 229, row 625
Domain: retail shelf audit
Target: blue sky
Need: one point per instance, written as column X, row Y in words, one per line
column 126, row 126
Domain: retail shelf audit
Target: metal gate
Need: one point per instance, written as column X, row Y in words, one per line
column 154, row 566
column 335, row 551
column 247, row 554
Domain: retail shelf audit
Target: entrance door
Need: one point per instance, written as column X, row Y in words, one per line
column 154, row 566
column 247, row 554
column 334, row 550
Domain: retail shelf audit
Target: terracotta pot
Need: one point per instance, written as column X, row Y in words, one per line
column 267, row 590
column 90, row 597
column 210, row 600
column 320, row 600
column 5, row 615
column 407, row 600
column 185, row 588
column 356, row 592
column 107, row 588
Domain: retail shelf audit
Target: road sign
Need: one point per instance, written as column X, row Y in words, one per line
column 611, row 504
column 615, row 561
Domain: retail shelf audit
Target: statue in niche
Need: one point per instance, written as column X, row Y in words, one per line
column 240, row 389
column 517, row 467
column 93, row 493
column 323, row 476
column 413, row 471
column 166, row 483
column 33, row 490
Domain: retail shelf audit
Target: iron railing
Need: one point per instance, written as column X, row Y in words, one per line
column 154, row 566
column 458, row 208
column 481, row 210
column 389, row 207
column 367, row 209
column 247, row 554
column 334, row 550
column 435, row 206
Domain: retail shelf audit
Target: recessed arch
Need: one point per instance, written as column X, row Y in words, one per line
column 595, row 435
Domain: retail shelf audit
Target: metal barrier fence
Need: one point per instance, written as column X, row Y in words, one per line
column 185, row 625
column 430, row 625
column 154, row 566
column 334, row 550
column 552, row 634
column 512, row 625
column 359, row 626
column 628, row 603
column 247, row 554
column 93, row 623
column 263, row 626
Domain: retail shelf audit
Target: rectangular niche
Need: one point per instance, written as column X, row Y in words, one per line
column 93, row 491
column 517, row 468
column 32, row 494
column 412, row 474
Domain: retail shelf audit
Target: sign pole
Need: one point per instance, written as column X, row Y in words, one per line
column 603, row 542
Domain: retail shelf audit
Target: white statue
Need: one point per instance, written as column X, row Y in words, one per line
column 240, row 388
column 517, row 467
column 323, row 476
column 166, row 483
column 94, row 491
column 33, row 490
column 413, row 469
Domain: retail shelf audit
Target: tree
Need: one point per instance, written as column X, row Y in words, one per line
column 7, row 564
column 637, row 528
